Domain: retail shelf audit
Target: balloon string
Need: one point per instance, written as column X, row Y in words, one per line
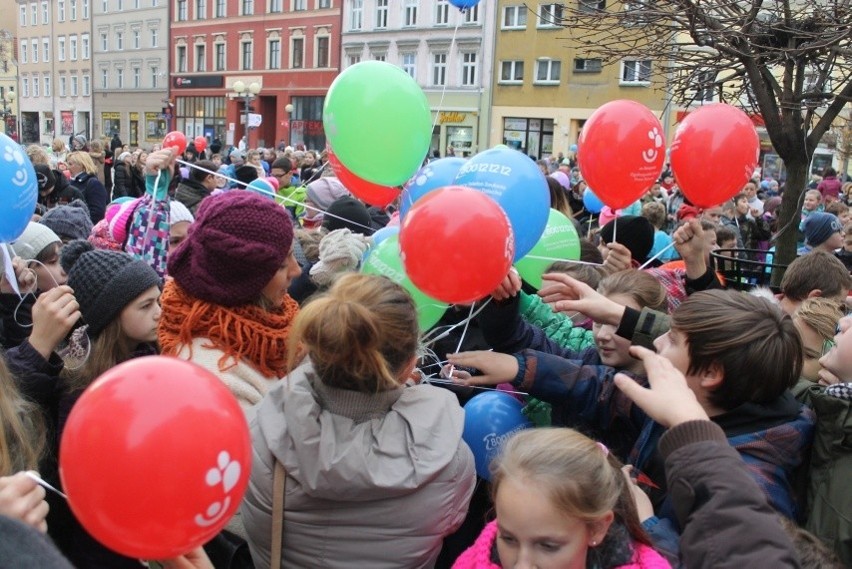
column 427, row 339
column 434, row 379
column 463, row 334
column 615, row 230
column 657, row 256
column 273, row 194
column 37, row 479
column 540, row 258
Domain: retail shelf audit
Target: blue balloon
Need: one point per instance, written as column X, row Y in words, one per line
column 517, row 184
column 462, row 4
column 18, row 190
column 573, row 148
column 262, row 187
column 434, row 175
column 490, row 419
column 592, row 202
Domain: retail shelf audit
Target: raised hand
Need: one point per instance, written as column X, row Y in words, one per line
column 496, row 368
column 566, row 294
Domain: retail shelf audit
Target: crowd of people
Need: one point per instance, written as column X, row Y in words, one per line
column 680, row 420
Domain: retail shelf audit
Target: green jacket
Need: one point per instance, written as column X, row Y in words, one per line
column 556, row 326
column 829, row 499
column 293, row 194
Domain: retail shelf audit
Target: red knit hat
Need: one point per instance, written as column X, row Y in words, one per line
column 237, row 243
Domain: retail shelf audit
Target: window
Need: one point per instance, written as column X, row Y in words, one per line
column 297, row 49
column 383, row 56
column 381, row 13
column 155, row 77
column 104, row 42
column 410, row 13
column 705, row 88
column 45, row 49
column 74, row 85
column 23, row 16
column 136, row 38
column 323, row 4
column 25, row 87
column 45, row 13
column 276, row 6
column 181, row 59
column 46, row 86
column 200, row 57
column 514, row 17
column 104, row 79
column 60, row 10
column 248, row 7
column 85, row 42
column 135, row 4
column 300, row 5
column 104, row 6
column 137, row 78
column 274, row 50
column 246, row 54
column 200, row 9
column 591, row 5
column 322, row 51
column 550, row 15
column 120, row 5
column 636, row 72
column 60, row 50
column 356, row 16
column 181, row 11
column 85, row 9
column 471, row 15
column 353, row 59
column 469, row 69
column 512, row 72
column 409, row 63
column 33, row 14
column 36, row 87
column 439, row 69
column 548, row 71
column 34, row 53
column 119, row 77
column 73, row 10
column 220, row 8
column 587, row 65
column 219, row 50
column 155, row 37
column 119, row 40
column 23, row 51
column 442, row 12
column 63, row 86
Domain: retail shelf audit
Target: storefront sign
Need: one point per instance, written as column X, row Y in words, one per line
column 445, row 117
column 199, row 82
column 307, row 127
column 134, row 116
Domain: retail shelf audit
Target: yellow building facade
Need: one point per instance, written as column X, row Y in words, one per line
column 545, row 87
column 8, row 78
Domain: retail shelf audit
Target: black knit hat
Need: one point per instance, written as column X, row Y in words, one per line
column 348, row 213
column 104, row 282
column 634, row 232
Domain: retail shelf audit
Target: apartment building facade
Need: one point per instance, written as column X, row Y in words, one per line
column 8, row 76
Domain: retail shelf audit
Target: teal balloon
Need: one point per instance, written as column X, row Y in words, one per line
column 378, row 122
column 18, row 190
column 385, row 260
column 559, row 241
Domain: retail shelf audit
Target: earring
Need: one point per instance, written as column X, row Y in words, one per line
column 594, row 543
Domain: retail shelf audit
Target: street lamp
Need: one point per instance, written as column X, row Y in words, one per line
column 247, row 92
column 8, row 100
column 288, row 108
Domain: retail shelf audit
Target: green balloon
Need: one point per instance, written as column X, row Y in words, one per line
column 559, row 241
column 374, row 105
column 385, row 260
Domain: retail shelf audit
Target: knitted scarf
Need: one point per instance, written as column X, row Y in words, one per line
column 243, row 332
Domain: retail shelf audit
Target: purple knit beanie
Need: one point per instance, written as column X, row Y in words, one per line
column 237, row 243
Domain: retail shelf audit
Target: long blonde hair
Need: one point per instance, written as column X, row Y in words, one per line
column 21, row 428
column 84, row 160
column 360, row 334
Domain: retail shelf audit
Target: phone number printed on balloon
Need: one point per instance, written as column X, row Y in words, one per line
column 486, row 168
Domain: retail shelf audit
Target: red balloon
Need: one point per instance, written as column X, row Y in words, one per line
column 155, row 457
column 176, row 140
column 373, row 194
column 621, row 152
column 456, row 244
column 200, row 144
column 714, row 154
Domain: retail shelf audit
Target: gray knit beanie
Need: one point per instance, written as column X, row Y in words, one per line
column 70, row 221
column 33, row 240
column 104, row 282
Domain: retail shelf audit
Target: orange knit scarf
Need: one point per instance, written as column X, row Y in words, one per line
column 242, row 332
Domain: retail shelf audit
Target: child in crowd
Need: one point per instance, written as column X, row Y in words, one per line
column 655, row 212
column 823, row 232
column 39, row 246
column 359, row 449
column 811, row 204
column 816, row 321
column 70, row 221
column 561, row 500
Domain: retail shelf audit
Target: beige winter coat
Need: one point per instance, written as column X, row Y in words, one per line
column 373, row 480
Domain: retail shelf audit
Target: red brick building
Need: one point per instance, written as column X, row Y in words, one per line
column 287, row 51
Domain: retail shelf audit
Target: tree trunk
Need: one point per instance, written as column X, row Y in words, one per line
column 785, row 246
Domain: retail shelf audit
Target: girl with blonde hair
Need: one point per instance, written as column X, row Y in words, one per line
column 84, row 177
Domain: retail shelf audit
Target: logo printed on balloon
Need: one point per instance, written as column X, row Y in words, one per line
column 424, row 176
column 650, row 154
column 11, row 154
column 493, row 441
column 227, row 473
